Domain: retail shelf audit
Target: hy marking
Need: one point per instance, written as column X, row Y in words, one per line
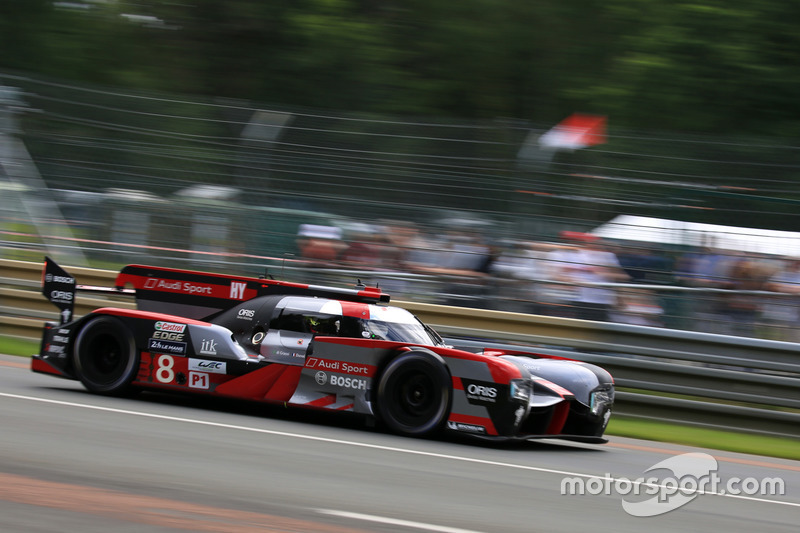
column 373, row 446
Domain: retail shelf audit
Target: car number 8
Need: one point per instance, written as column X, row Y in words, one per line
column 165, row 374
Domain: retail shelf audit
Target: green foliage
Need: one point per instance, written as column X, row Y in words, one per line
column 693, row 65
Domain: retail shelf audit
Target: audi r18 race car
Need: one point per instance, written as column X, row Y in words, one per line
column 318, row 347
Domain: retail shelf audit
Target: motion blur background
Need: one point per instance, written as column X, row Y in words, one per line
column 400, row 143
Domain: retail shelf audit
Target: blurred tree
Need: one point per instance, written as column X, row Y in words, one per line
column 21, row 32
column 692, row 65
column 708, row 66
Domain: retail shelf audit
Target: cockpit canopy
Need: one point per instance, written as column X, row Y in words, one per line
column 251, row 320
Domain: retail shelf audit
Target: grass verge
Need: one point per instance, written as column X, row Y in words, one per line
column 731, row 441
column 16, row 346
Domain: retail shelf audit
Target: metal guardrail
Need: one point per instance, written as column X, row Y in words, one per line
column 686, row 377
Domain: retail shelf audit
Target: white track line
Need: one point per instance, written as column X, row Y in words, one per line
column 380, row 447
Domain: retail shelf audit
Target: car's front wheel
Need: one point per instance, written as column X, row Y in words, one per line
column 105, row 356
column 414, row 392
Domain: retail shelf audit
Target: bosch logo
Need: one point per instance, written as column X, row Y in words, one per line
column 482, row 391
column 59, row 279
column 170, row 326
column 349, row 383
column 321, row 377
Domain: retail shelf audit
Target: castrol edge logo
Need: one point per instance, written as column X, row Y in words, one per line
column 170, row 326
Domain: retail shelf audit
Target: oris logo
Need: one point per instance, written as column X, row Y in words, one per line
column 246, row 314
column 61, row 296
column 481, row 393
column 480, row 390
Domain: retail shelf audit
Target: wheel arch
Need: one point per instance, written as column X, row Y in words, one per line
column 414, row 360
column 104, row 354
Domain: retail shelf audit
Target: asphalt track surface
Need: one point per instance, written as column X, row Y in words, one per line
column 72, row 461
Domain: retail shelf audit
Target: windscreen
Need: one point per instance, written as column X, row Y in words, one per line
column 396, row 325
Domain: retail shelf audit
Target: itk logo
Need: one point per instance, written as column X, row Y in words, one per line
column 208, row 347
column 687, row 476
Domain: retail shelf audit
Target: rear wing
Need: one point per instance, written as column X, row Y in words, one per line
column 60, row 287
column 189, row 293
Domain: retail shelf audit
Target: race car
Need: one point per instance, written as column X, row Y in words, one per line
column 317, row 347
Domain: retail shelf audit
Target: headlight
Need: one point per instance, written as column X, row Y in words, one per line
column 520, row 389
column 600, row 399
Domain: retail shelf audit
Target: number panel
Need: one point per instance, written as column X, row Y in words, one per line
column 170, row 371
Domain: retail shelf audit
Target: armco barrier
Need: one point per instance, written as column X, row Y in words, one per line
column 726, row 382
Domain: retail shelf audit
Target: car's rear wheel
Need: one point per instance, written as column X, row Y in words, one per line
column 414, row 392
column 105, row 356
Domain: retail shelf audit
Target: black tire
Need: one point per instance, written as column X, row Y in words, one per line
column 105, row 356
column 414, row 392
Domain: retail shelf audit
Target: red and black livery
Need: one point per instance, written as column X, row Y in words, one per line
column 316, row 347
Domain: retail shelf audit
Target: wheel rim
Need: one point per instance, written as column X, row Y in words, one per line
column 415, row 399
column 103, row 359
column 417, row 395
column 413, row 394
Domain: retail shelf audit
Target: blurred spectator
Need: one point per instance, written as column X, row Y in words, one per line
column 404, row 246
column 781, row 314
column 466, row 252
column 319, row 245
column 644, row 265
column 363, row 248
column 638, row 307
column 740, row 309
column 589, row 266
column 709, row 269
column 464, row 263
column 557, row 292
column 516, row 272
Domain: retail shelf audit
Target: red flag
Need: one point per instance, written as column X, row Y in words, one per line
column 575, row 132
